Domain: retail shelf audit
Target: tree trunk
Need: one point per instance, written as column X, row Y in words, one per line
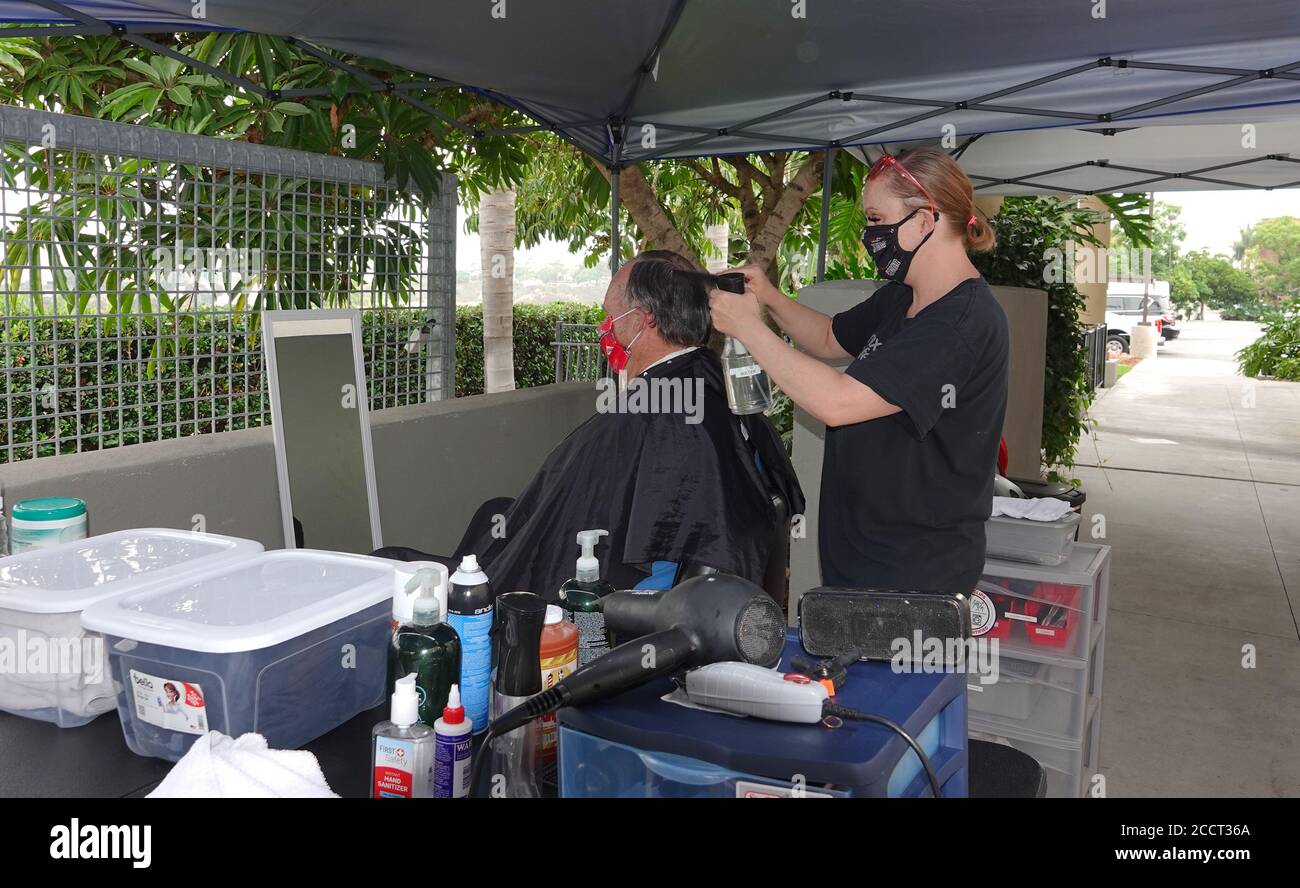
column 496, row 229
column 642, row 204
column 764, row 247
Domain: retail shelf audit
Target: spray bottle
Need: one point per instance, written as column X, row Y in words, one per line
column 581, row 599
column 426, row 645
column 469, row 611
column 452, row 760
column 515, row 763
column 401, row 749
column 748, row 388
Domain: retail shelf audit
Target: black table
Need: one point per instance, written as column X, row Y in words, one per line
column 38, row 759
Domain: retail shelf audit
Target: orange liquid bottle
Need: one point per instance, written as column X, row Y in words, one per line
column 559, row 657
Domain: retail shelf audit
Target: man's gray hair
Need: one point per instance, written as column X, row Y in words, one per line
column 675, row 293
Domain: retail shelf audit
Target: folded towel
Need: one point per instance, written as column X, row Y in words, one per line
column 1035, row 509
column 218, row 767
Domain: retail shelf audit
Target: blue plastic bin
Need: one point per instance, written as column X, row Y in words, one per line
column 638, row 746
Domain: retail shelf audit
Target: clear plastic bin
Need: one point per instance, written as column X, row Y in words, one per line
column 1034, row 542
column 61, row 675
column 289, row 644
column 1049, row 611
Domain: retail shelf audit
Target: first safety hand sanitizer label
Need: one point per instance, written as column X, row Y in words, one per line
column 394, row 760
column 169, row 703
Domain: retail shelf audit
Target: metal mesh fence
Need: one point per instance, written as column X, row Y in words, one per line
column 577, row 353
column 136, row 262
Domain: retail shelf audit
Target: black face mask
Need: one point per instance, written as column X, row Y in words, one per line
column 892, row 261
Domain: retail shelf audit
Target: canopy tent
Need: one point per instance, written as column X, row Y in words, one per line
column 647, row 79
column 1035, row 96
column 1200, row 157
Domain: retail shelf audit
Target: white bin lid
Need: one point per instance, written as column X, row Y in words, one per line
column 253, row 604
column 74, row 575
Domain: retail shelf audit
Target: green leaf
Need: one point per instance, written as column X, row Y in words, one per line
column 142, row 68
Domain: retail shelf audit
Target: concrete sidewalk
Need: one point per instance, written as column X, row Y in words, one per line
column 1196, row 472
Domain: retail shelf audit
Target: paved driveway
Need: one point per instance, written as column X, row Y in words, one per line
column 1197, row 473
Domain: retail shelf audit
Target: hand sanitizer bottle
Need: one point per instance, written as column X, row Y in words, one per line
column 402, row 749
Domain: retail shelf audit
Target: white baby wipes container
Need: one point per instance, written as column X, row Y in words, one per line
column 289, row 644
column 50, row 668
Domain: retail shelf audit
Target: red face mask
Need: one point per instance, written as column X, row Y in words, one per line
column 615, row 352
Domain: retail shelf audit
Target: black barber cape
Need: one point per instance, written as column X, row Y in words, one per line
column 666, row 489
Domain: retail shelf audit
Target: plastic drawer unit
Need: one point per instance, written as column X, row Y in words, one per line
column 1069, row 765
column 639, row 745
column 60, row 672
column 1045, row 610
column 1035, row 542
column 289, row 645
column 1049, row 696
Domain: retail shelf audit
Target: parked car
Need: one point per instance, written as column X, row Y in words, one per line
column 1123, row 312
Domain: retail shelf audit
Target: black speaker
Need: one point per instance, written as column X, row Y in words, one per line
column 834, row 619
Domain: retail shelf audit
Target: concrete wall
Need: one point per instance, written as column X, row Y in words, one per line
column 434, row 464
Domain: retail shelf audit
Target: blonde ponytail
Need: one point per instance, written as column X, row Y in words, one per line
column 952, row 191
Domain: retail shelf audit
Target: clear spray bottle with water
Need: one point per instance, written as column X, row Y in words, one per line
column 748, row 388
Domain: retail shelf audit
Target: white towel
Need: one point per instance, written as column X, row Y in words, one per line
column 218, row 767
column 1035, row 509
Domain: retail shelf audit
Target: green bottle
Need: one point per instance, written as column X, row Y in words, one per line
column 583, row 600
column 427, row 646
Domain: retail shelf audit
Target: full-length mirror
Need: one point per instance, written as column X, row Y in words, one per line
column 321, row 422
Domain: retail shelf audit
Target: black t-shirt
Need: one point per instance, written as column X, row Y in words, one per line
column 905, row 497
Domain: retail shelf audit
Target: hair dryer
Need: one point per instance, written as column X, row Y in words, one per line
column 705, row 619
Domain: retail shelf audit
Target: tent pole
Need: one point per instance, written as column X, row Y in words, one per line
column 614, row 257
column 824, row 232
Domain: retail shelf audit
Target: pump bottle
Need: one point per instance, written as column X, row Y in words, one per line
column 581, row 599
column 426, row 645
column 402, row 749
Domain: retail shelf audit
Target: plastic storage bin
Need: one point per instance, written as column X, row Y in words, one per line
column 289, row 644
column 637, row 745
column 1035, row 542
column 1049, row 611
column 61, row 672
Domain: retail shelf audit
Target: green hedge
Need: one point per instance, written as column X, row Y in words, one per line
column 191, row 373
column 534, row 334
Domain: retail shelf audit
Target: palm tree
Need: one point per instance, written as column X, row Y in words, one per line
column 497, row 253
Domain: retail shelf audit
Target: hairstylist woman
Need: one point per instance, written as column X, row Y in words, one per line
column 913, row 424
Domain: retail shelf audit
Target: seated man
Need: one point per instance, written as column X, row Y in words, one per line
column 663, row 465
